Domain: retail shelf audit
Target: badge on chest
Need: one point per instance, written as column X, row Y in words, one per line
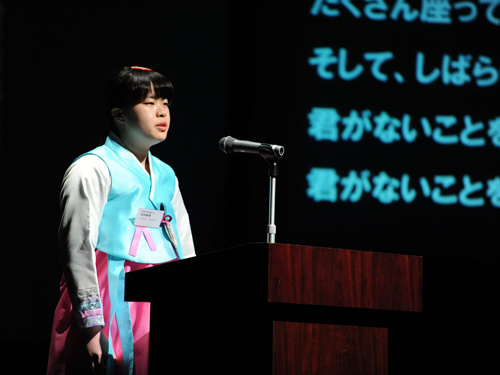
column 148, row 218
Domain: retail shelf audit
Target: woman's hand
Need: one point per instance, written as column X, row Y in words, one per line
column 96, row 345
column 94, row 349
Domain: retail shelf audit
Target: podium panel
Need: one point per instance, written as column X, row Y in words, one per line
column 348, row 278
column 325, row 349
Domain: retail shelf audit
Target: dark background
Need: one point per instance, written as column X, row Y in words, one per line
column 241, row 69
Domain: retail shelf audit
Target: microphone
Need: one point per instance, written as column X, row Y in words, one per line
column 231, row 145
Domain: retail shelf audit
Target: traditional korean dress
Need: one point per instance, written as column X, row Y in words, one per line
column 101, row 195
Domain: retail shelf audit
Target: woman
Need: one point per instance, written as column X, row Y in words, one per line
column 106, row 195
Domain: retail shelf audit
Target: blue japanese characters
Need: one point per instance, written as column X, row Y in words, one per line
column 430, row 11
column 327, row 124
column 326, row 184
column 408, row 92
column 459, row 70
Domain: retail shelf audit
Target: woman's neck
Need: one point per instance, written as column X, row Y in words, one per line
column 141, row 153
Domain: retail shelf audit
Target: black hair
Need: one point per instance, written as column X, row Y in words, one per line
column 129, row 85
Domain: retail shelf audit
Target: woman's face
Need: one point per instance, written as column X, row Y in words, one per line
column 148, row 122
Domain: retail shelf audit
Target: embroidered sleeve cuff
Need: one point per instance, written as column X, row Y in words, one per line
column 88, row 312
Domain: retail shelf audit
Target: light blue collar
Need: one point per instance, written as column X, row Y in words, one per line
column 115, row 144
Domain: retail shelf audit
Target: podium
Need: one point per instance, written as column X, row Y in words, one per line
column 267, row 308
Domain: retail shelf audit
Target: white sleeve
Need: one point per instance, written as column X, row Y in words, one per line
column 183, row 225
column 84, row 193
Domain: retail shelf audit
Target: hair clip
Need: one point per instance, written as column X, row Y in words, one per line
column 140, row 68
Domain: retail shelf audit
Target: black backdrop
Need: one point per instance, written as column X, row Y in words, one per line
column 241, row 69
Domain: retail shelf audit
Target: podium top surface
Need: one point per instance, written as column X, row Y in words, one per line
column 282, row 273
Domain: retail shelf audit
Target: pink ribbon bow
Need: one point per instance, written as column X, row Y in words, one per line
column 139, row 231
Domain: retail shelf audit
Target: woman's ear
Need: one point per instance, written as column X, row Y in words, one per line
column 117, row 114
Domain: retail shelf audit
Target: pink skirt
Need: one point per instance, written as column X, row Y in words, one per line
column 67, row 353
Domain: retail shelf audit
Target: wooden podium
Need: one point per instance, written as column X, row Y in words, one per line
column 278, row 309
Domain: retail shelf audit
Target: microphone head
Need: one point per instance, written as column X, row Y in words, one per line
column 222, row 144
column 226, row 144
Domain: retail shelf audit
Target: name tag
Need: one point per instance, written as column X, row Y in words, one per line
column 149, row 218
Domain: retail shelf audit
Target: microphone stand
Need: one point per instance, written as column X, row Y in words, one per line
column 272, row 154
column 273, row 173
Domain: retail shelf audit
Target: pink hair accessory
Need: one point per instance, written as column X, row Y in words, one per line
column 140, row 68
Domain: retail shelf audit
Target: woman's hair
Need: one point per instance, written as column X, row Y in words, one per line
column 129, row 85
